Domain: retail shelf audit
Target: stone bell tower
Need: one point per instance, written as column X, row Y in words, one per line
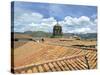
column 57, row 30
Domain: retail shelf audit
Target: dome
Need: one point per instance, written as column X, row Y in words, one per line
column 57, row 26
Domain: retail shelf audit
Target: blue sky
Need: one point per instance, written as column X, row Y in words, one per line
column 29, row 16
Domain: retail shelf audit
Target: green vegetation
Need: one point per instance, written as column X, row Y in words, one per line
column 48, row 34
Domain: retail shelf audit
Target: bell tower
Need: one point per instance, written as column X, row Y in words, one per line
column 57, row 30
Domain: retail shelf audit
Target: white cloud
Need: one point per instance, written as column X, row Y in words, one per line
column 27, row 21
column 31, row 17
column 77, row 21
column 82, row 24
column 84, row 18
column 94, row 16
column 49, row 21
column 95, row 21
column 33, row 22
column 36, row 22
column 82, row 30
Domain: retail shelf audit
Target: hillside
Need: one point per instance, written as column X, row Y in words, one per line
column 46, row 34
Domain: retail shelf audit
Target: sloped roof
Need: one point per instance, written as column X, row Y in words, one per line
column 22, row 36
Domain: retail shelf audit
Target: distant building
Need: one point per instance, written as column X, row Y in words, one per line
column 57, row 30
column 77, row 37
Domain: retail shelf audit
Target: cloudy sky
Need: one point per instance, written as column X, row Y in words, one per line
column 29, row 16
